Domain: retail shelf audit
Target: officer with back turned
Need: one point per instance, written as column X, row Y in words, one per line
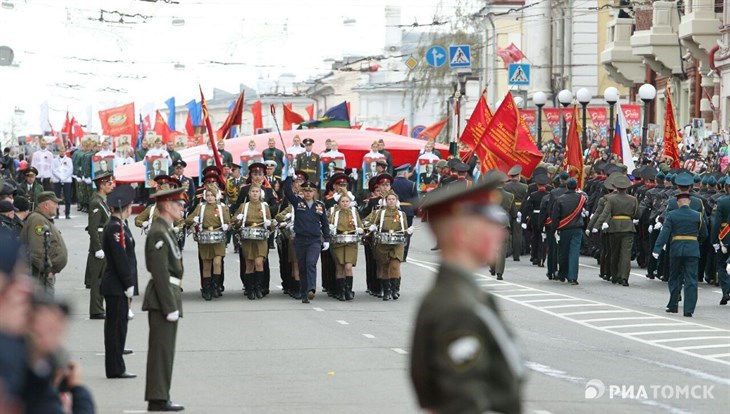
column 519, row 190
column 567, row 224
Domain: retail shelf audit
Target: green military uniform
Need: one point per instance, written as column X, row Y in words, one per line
column 393, row 220
column 519, row 190
column 174, row 156
column 162, row 297
column 87, row 187
column 30, row 192
column 618, row 213
column 33, row 237
column 720, row 236
column 98, row 217
column 310, row 164
column 508, row 204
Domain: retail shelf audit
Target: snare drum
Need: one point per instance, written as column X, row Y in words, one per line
column 254, row 233
column 390, row 238
column 345, row 239
column 211, row 237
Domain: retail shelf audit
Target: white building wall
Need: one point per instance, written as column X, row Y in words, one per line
column 584, row 49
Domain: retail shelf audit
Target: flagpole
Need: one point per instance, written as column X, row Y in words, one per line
column 272, row 108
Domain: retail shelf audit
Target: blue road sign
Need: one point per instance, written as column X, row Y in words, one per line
column 460, row 56
column 518, row 74
column 436, row 56
column 416, row 131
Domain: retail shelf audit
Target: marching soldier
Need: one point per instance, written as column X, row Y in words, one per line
column 531, row 219
column 720, row 241
column 234, row 182
column 508, row 204
column 604, row 252
column 288, row 263
column 344, row 220
column 98, row 217
column 546, row 207
column 567, row 224
column 46, row 248
column 648, row 209
column 406, row 191
column 464, row 359
column 519, row 190
column 309, row 161
column 254, row 213
column 186, row 182
column 163, row 299
column 618, row 218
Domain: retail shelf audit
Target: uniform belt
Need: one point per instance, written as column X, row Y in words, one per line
column 621, row 217
column 405, row 204
column 175, row 281
column 684, row 238
column 517, row 203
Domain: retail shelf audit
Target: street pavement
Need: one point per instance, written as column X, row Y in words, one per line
column 595, row 347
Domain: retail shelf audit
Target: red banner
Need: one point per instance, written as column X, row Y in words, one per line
column 118, row 121
column 573, row 161
column 599, row 118
column 671, row 137
column 258, row 120
column 433, row 131
column 476, row 125
column 552, row 117
column 161, row 127
column 530, row 118
column 632, row 113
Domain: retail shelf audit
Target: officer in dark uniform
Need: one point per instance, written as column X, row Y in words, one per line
column 464, row 359
column 179, row 173
column 98, row 217
column 567, row 224
column 407, row 192
column 720, row 241
column 30, row 187
column 311, row 226
column 686, row 229
column 530, row 218
column 309, row 161
column 163, row 298
column 546, row 207
column 519, row 190
column 119, row 283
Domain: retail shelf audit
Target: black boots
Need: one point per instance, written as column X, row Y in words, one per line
column 217, row 286
column 395, row 288
column 340, row 289
column 249, row 281
column 385, row 283
column 207, row 288
column 257, row 284
column 295, row 293
column 349, row 294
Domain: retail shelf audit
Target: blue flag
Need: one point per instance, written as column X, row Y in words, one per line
column 337, row 116
column 171, row 117
column 196, row 112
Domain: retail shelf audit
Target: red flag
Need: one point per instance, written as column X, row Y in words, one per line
column 189, row 128
column 310, row 111
column 477, row 124
column 147, row 123
column 258, row 121
column 161, row 127
column 515, row 52
column 76, row 130
column 508, row 137
column 209, row 127
column 66, row 128
column 671, row 138
column 348, row 110
column 291, row 117
column 118, row 121
column 573, row 161
column 398, row 127
column 433, row 131
column 235, row 117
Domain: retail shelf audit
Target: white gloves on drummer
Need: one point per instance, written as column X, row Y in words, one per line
column 524, row 226
column 288, row 216
column 99, row 254
column 239, row 217
column 519, row 217
column 283, row 224
column 145, row 224
column 409, row 230
column 129, row 292
column 196, row 220
column 267, row 223
column 359, row 230
column 325, row 246
column 372, row 227
column 332, row 228
column 655, row 255
column 604, row 226
column 224, row 227
column 173, row 316
column 658, row 225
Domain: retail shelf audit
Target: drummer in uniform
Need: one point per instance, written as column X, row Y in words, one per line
column 309, row 161
column 288, row 264
column 344, row 221
column 143, row 219
column 378, row 186
column 211, row 218
column 99, row 215
column 336, row 183
column 254, row 215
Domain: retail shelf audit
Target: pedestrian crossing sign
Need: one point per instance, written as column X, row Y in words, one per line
column 460, row 56
column 519, row 74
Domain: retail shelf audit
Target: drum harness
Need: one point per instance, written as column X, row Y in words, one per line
column 354, row 218
column 263, row 213
column 219, row 210
column 382, row 218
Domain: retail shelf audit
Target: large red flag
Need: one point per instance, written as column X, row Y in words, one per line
column 291, row 117
column 508, row 137
column 573, row 161
column 161, row 127
column 258, row 120
column 209, row 127
column 310, row 111
column 235, row 117
column 671, row 137
column 118, row 121
column 66, row 128
column 476, row 125
column 398, row 128
column 75, row 130
column 433, row 131
column 189, row 128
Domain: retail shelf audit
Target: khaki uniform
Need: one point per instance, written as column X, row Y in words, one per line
column 393, row 221
column 162, row 297
column 210, row 222
column 98, row 217
column 508, row 204
column 281, row 217
column 519, row 191
column 619, row 212
column 145, row 216
column 32, row 236
column 254, row 218
column 347, row 223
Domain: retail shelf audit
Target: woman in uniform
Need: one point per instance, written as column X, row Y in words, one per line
column 389, row 219
column 378, row 186
column 254, row 214
column 211, row 216
column 344, row 220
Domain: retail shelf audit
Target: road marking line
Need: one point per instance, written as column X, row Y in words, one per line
column 399, row 351
column 542, row 412
column 718, row 356
column 575, row 305
column 369, row 336
column 598, row 268
column 672, row 331
column 641, row 325
column 686, row 348
column 694, row 338
column 628, row 318
column 134, row 411
column 318, row 309
column 596, row 311
column 548, row 300
column 511, row 290
column 527, row 295
column 102, row 354
column 342, row 322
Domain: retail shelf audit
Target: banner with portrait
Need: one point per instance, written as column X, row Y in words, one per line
column 101, row 165
column 632, row 114
column 329, row 163
column 123, row 142
column 530, row 117
column 369, row 169
column 153, row 166
column 248, row 158
column 426, row 176
column 194, row 141
column 600, row 123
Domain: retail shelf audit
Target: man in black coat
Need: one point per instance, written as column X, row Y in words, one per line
column 407, row 193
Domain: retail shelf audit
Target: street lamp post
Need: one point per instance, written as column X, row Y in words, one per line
column 647, row 93
column 610, row 95
column 540, row 99
column 565, row 97
column 584, row 98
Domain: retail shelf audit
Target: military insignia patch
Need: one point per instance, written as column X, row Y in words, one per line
column 464, row 350
column 159, row 244
column 39, row 230
column 319, row 209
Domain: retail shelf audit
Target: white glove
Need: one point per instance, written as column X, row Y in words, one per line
column 544, row 236
column 657, row 219
column 658, row 226
column 655, row 255
column 145, row 224
column 594, row 230
column 196, row 219
column 372, row 227
column 239, row 217
column 129, row 292
column 354, row 175
column 288, row 216
column 267, row 223
column 716, row 246
column 723, row 248
column 325, row 246
column 359, row 230
column 588, row 232
column 557, row 237
column 87, row 180
column 604, row 226
column 99, row 254
column 651, row 228
column 409, row 230
column 173, row 316
column 291, row 172
column 283, row 224
column 727, row 268
column 636, row 221
column 524, row 226
column 519, row 217
column 224, row 227
column 274, row 223
column 332, row 228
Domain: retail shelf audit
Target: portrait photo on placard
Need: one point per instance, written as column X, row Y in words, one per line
column 155, row 166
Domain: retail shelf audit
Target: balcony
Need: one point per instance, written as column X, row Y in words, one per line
column 659, row 46
column 618, row 58
column 700, row 28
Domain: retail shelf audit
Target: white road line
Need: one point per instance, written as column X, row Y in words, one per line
column 510, row 290
column 628, row 318
column 369, row 336
column 598, row 268
column 666, row 332
column 542, row 412
column 641, row 325
column 574, row 305
column 549, row 300
column 718, row 356
column 134, row 411
column 596, row 312
column 686, row 348
column 342, row 322
column 102, row 354
column 693, row 338
column 528, row 295
column 399, row 351
column 318, row 309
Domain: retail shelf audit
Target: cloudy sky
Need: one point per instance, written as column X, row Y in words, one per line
column 77, row 55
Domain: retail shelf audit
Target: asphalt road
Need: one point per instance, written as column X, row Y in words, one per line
column 595, row 347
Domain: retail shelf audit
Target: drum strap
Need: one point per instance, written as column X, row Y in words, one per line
column 245, row 214
column 219, row 210
column 337, row 219
column 355, row 219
